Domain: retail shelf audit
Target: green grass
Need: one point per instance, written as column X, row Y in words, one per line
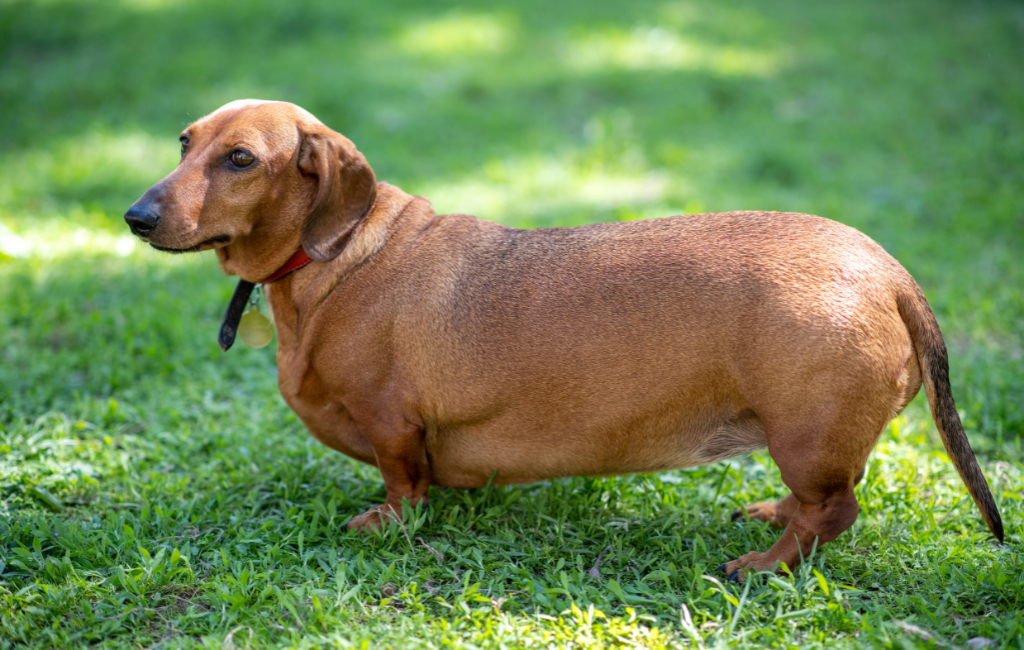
column 155, row 492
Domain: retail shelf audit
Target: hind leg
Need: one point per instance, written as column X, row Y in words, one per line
column 777, row 514
column 820, row 464
column 816, row 521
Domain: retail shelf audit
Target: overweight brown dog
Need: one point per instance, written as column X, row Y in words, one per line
column 445, row 350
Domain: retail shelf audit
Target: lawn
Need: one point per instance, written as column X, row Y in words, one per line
column 157, row 493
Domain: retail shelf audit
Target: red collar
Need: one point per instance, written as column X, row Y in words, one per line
column 294, row 263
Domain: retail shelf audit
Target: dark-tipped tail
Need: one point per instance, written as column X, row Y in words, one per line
column 931, row 356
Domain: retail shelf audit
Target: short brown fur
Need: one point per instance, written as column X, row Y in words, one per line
column 446, row 350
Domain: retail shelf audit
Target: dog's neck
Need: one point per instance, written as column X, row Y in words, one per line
column 295, row 297
column 298, row 260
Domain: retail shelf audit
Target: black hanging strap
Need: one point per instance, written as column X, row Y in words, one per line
column 229, row 327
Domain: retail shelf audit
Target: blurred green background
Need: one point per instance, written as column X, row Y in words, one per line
column 124, row 428
column 901, row 119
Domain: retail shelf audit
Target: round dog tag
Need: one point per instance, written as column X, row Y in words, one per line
column 255, row 329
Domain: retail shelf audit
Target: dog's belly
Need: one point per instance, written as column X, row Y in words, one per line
column 470, row 456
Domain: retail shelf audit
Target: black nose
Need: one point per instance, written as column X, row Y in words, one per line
column 141, row 220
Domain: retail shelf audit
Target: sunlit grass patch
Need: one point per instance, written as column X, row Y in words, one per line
column 79, row 234
column 527, row 191
column 664, row 48
column 76, row 178
column 606, row 178
column 152, row 5
column 459, row 34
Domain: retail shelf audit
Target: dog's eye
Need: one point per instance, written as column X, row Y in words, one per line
column 184, row 145
column 241, row 158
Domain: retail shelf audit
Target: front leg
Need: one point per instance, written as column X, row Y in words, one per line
column 401, row 453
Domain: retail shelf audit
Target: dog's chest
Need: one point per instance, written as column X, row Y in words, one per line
column 322, row 413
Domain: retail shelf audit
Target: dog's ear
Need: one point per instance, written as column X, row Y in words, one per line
column 346, row 192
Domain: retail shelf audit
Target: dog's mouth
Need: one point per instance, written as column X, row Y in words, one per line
column 212, row 241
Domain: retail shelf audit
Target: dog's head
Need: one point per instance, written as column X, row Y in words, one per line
column 256, row 180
